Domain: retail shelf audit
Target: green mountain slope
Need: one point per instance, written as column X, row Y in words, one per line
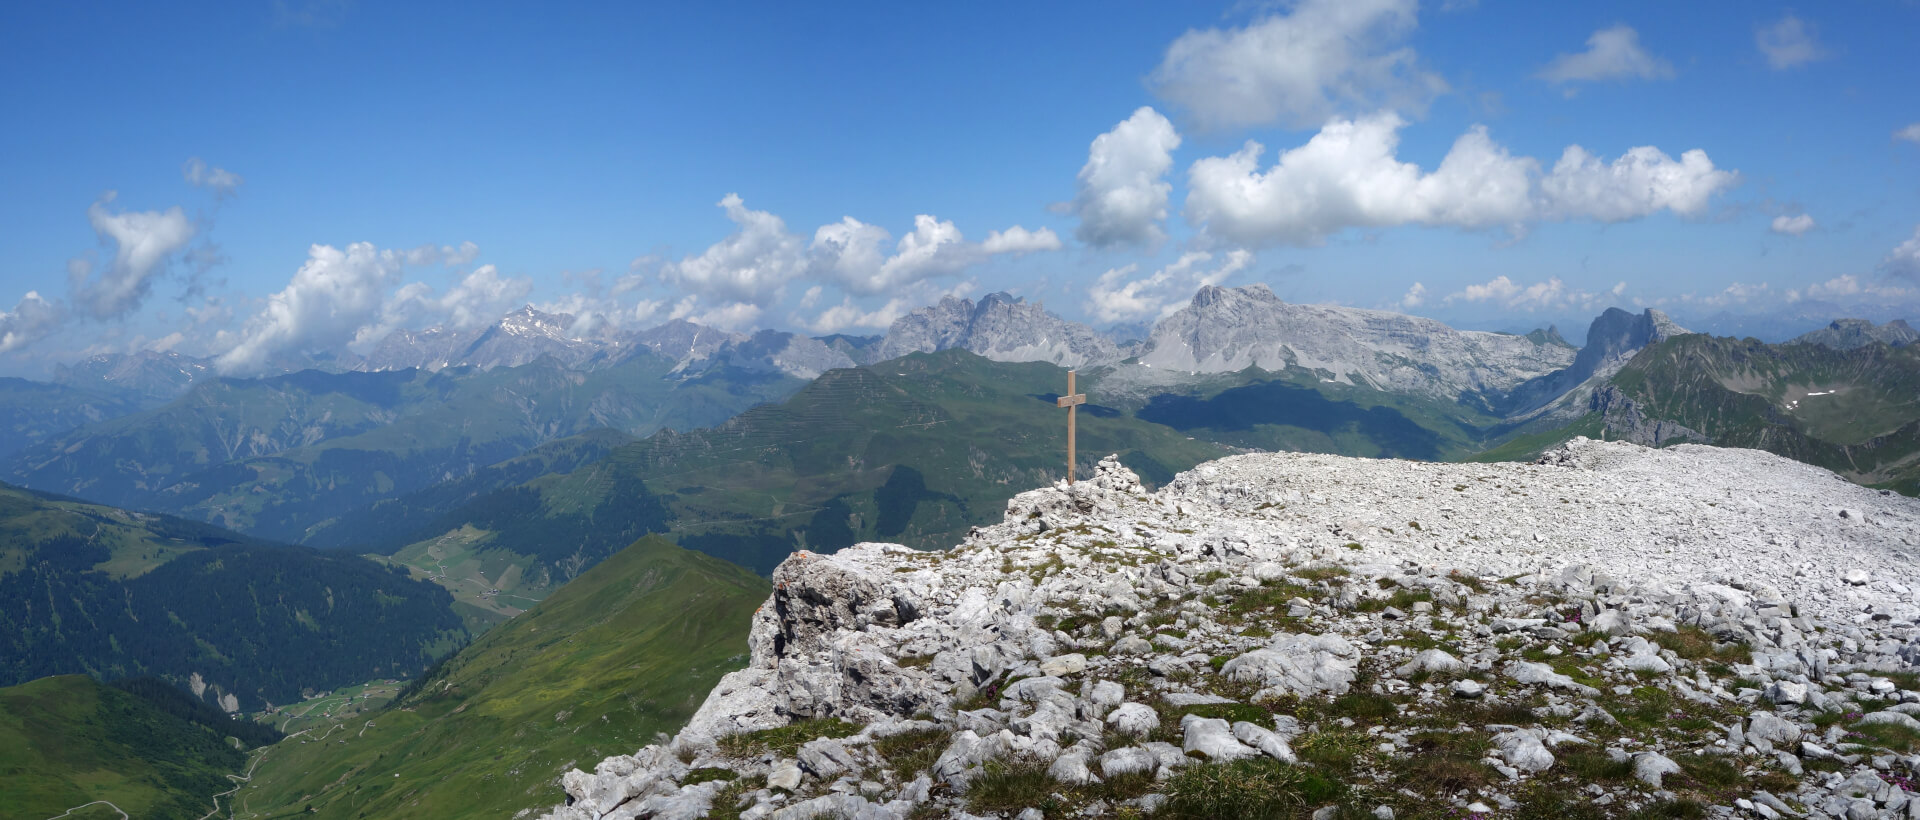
column 628, row 649
column 97, row 590
column 68, row 741
column 275, row 457
column 32, row 412
column 1297, row 411
column 914, row 450
column 1855, row 412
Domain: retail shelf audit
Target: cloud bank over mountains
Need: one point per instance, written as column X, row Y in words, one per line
column 1319, row 95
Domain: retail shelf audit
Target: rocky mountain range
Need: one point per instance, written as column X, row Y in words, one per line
column 1001, row 327
column 1613, row 339
column 1229, row 329
column 1610, row 631
column 1847, row 334
column 1222, row 330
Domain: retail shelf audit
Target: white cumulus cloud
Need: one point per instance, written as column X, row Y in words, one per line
column 1792, row 225
column 1117, row 296
column 751, row 265
column 726, row 315
column 850, row 253
column 1788, row 43
column 1552, row 294
column 1612, row 54
column 850, row 315
column 1320, row 58
column 1850, row 289
column 1123, row 191
column 1904, row 260
column 222, row 182
column 1415, row 297
column 1347, row 176
column 1910, row 133
column 30, row 321
column 143, row 242
column 1640, row 182
column 333, row 295
column 480, row 297
column 1020, row 240
column 453, row 257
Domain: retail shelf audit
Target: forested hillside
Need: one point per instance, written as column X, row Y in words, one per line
column 95, row 590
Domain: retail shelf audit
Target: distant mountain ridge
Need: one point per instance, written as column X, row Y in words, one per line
column 1001, row 327
column 1855, row 412
column 277, row 456
column 1847, row 334
column 1614, row 338
column 1229, row 329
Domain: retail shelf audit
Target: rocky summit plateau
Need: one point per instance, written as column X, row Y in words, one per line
column 1611, row 630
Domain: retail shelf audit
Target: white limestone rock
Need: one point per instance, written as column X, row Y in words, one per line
column 1213, row 738
column 1298, row 665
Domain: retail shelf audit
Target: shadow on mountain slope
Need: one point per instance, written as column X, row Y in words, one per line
column 1279, row 403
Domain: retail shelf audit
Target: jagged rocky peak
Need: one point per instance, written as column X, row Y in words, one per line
column 1001, row 327
column 1550, row 335
column 1613, row 339
column 528, row 321
column 1535, row 628
column 1616, row 331
column 685, row 341
column 1229, row 329
column 1848, row 334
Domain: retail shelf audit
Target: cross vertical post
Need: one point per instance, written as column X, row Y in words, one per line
column 1071, row 401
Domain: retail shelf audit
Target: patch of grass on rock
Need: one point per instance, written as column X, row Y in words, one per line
column 1255, row 789
column 1011, row 786
column 785, row 740
column 1333, row 751
column 1447, row 762
column 1694, row 643
column 1594, row 765
column 910, row 753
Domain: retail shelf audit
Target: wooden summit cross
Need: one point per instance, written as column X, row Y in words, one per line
column 1070, row 401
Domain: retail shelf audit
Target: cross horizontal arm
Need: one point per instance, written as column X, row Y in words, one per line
column 1069, row 401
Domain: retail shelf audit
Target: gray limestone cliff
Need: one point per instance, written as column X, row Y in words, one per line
column 1230, row 329
column 1000, row 327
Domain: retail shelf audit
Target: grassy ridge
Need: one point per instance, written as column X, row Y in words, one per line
column 66, row 741
column 627, row 649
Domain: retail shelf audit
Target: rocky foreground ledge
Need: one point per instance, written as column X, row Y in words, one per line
column 1612, row 631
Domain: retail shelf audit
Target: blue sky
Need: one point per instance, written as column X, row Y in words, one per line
column 294, row 175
